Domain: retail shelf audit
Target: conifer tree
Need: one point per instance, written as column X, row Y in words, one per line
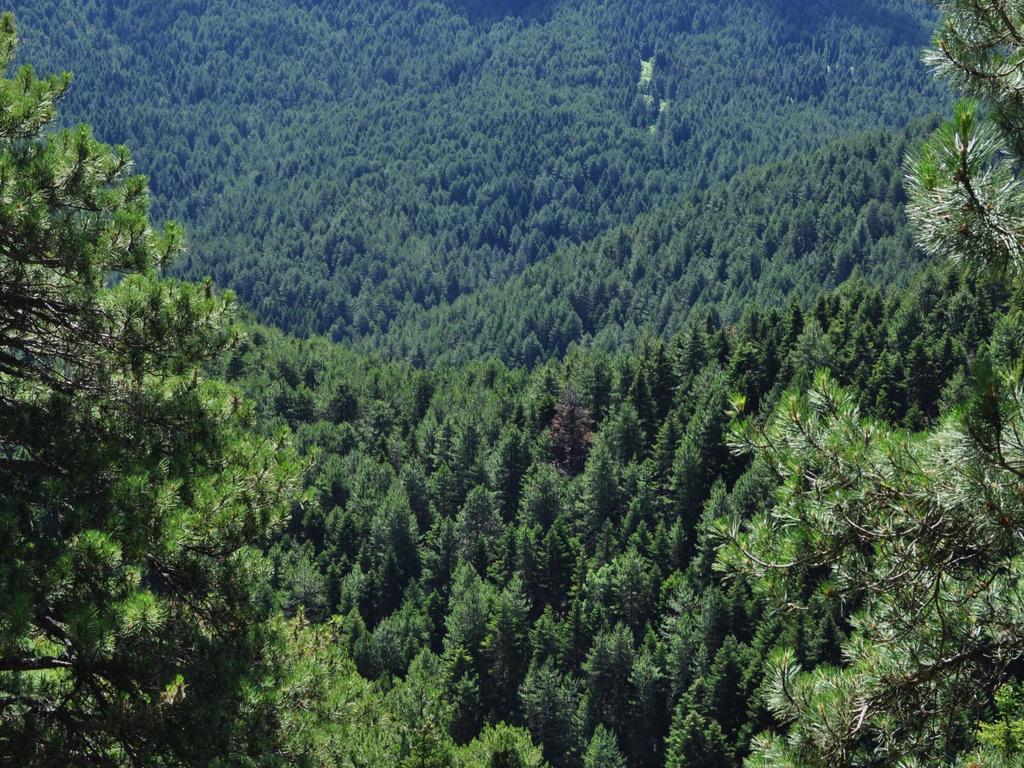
column 608, row 667
column 922, row 534
column 571, row 432
column 134, row 497
column 695, row 742
column 603, row 751
column 551, row 702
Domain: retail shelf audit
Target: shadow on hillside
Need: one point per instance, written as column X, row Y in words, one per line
column 490, row 11
column 908, row 21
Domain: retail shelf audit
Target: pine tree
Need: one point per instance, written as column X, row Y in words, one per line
column 603, row 751
column 925, row 530
column 134, row 496
column 941, row 513
column 608, row 667
column 392, row 549
column 477, row 528
column 599, row 504
column 551, row 704
column 500, row 746
column 507, row 467
column 505, row 650
column 694, row 742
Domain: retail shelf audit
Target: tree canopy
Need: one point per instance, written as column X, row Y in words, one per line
column 712, row 465
column 351, row 169
column 137, row 626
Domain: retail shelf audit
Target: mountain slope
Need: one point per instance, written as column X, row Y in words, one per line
column 798, row 227
column 341, row 164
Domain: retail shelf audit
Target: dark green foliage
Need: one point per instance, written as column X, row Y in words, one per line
column 570, row 604
column 483, row 545
column 347, row 167
column 792, row 229
column 695, row 742
column 135, row 497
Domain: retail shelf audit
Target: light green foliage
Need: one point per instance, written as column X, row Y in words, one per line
column 968, row 204
column 646, row 71
column 922, row 530
column 603, row 751
column 1005, row 734
column 695, row 742
column 500, row 747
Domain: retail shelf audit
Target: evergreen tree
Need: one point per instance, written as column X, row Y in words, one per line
column 135, row 498
column 599, row 505
column 571, row 432
column 925, row 530
column 551, row 703
column 507, row 467
column 608, row 668
column 505, row 650
column 603, row 751
column 695, row 742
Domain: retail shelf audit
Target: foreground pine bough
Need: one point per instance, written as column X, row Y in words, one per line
column 921, row 534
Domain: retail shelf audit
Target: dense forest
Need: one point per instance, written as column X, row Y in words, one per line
column 346, row 166
column 666, row 408
column 796, row 228
column 544, row 539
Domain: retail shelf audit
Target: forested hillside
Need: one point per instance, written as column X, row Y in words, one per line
column 342, row 165
column 795, row 228
column 543, row 540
